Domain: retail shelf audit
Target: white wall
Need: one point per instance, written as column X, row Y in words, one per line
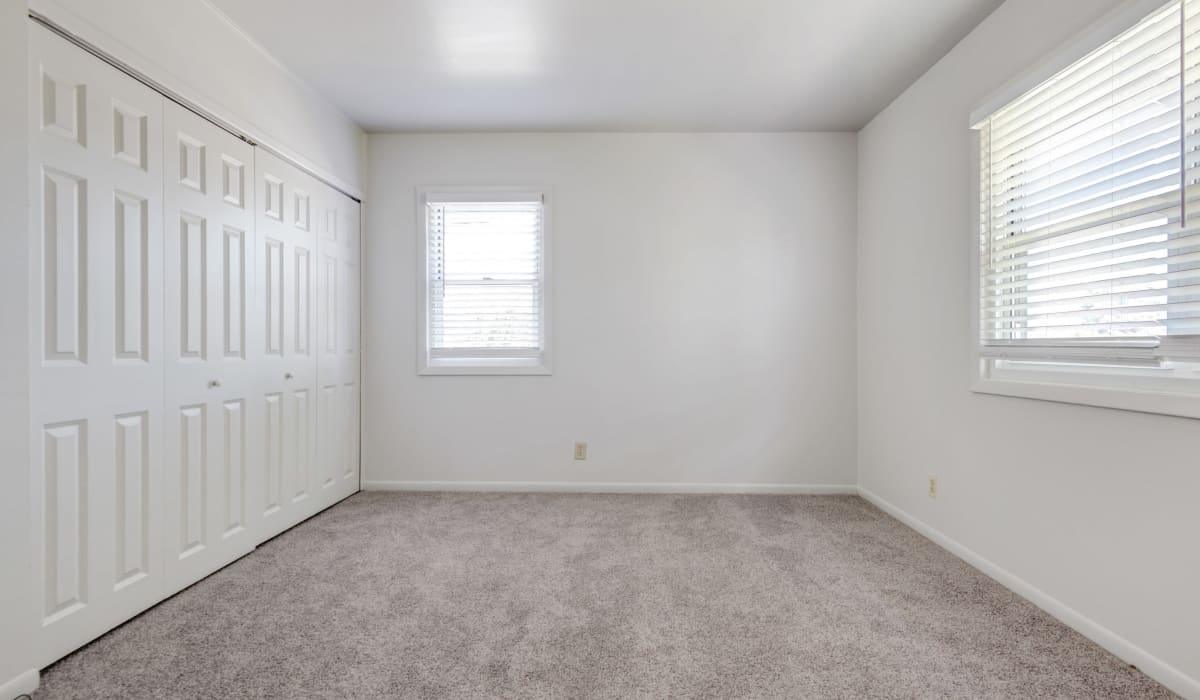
column 191, row 47
column 17, row 612
column 703, row 313
column 1097, row 508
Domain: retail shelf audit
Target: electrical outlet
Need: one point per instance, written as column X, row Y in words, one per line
column 581, row 450
column 933, row 485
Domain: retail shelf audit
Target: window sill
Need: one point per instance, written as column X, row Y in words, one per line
column 1166, row 403
column 484, row 366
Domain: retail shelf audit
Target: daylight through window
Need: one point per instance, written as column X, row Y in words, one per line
column 1089, row 209
column 486, row 265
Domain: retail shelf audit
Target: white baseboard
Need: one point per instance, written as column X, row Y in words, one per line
column 23, row 684
column 1120, row 647
column 607, row 487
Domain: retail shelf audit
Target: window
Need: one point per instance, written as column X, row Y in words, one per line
column 1089, row 223
column 485, row 283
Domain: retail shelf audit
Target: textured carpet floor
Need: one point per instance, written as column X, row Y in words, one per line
column 580, row 596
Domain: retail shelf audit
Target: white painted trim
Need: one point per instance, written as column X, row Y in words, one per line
column 1087, row 388
column 608, row 487
column 1120, row 647
column 540, row 366
column 24, row 684
column 495, row 366
column 1168, row 404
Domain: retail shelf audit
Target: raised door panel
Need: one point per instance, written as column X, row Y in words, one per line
column 133, row 271
column 272, row 250
column 96, row 362
column 349, row 428
column 329, row 440
column 193, row 481
column 299, row 446
column 272, row 437
column 212, row 357
column 348, row 318
column 64, row 265
column 134, row 537
column 328, row 298
column 193, row 286
column 236, row 281
column 66, row 585
column 300, row 293
column 234, row 512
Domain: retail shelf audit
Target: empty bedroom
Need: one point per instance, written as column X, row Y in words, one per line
column 600, row 349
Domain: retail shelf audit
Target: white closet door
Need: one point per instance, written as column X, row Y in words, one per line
column 95, row 169
column 212, row 352
column 285, row 267
column 337, row 347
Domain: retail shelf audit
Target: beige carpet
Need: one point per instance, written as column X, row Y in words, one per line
column 607, row 596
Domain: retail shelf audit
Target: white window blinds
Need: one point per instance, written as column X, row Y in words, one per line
column 486, row 274
column 1090, row 219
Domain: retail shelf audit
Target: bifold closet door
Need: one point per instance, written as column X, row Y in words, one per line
column 337, row 346
column 286, row 388
column 95, row 169
column 213, row 463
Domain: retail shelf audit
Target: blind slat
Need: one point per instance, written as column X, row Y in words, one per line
column 1132, row 267
column 1115, row 285
column 1065, row 87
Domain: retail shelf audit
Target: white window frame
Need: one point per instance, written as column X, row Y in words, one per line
column 1133, row 388
column 482, row 364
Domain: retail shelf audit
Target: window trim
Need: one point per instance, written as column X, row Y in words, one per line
column 429, row 366
column 1104, row 388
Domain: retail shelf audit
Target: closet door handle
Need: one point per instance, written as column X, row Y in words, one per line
column 213, row 384
column 288, row 375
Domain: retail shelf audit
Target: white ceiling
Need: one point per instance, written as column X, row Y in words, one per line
column 608, row 65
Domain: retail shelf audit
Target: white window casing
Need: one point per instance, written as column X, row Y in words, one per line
column 484, row 281
column 1087, row 268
